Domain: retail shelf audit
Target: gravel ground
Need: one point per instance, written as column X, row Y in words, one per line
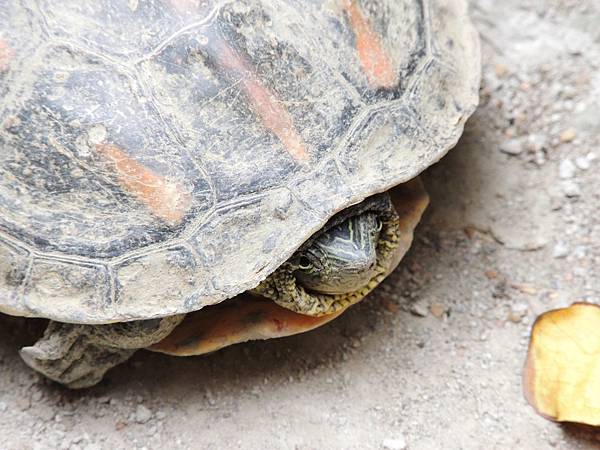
column 433, row 359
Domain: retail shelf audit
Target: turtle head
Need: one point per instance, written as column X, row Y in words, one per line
column 340, row 264
column 343, row 259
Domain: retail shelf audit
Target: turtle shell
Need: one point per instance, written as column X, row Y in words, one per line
column 165, row 155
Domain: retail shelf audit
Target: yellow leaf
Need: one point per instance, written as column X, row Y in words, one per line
column 562, row 373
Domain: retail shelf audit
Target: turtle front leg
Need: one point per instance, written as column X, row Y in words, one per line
column 78, row 356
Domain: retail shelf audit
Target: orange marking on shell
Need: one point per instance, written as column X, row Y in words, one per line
column 165, row 199
column 6, row 55
column 276, row 118
column 374, row 58
column 272, row 114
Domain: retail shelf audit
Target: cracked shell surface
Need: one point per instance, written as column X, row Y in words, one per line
column 162, row 156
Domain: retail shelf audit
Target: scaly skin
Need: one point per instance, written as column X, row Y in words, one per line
column 78, row 356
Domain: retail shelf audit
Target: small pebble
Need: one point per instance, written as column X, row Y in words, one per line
column 561, row 250
column 536, row 142
column 437, row 309
column 571, row 189
column 133, row 4
column 419, row 309
column 517, row 312
column 501, row 70
column 582, row 162
column 566, row 169
column 512, row 147
column 142, row 414
column 556, row 203
column 514, row 318
column 399, row 443
column 568, row 135
column 92, row 446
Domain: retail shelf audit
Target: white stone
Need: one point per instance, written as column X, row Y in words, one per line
column 571, row 189
column 512, row 147
column 566, row 169
column 398, row 443
column 583, row 163
column 561, row 250
column 419, row 309
column 142, row 414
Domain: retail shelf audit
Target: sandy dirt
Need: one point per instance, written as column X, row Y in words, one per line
column 433, row 358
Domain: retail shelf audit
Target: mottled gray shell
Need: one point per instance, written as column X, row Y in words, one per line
column 159, row 156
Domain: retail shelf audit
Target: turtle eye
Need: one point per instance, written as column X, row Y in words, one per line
column 304, row 263
column 378, row 224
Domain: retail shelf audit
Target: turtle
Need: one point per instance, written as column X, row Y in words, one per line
column 180, row 176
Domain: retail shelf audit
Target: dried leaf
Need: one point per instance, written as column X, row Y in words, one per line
column 562, row 373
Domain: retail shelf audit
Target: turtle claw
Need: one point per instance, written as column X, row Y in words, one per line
column 78, row 356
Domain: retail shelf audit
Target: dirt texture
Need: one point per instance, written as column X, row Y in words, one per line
column 433, row 358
